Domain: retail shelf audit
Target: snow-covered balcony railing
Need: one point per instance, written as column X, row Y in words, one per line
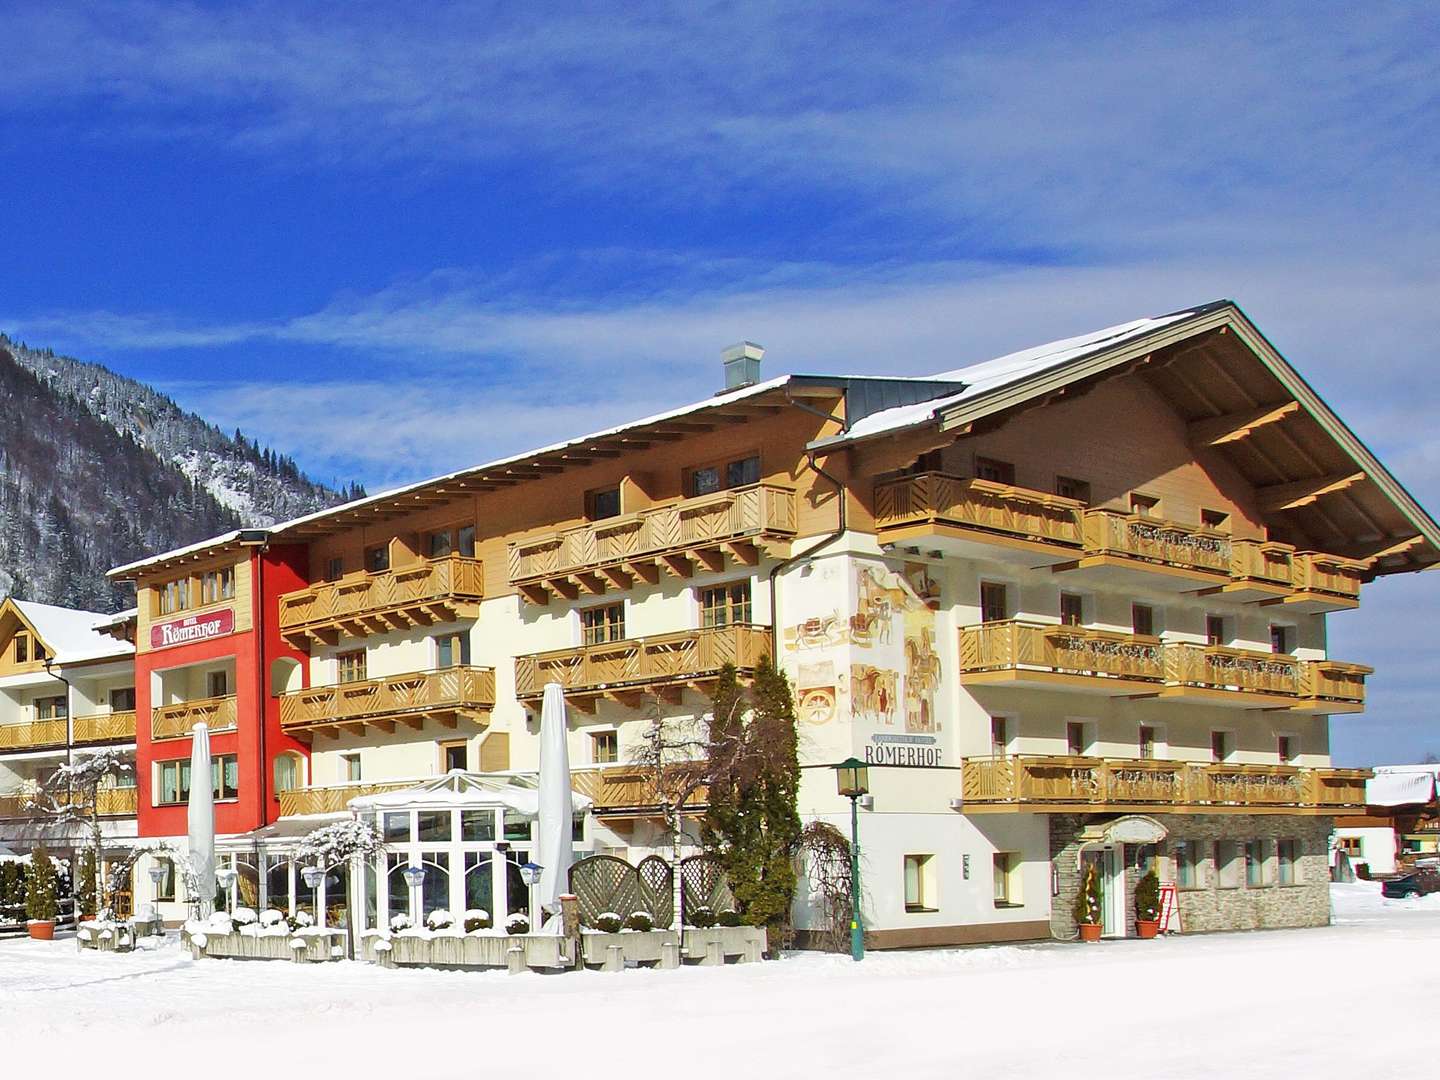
column 664, row 664
column 1032, row 781
column 931, row 504
column 1040, row 654
column 32, row 735
column 624, row 790
column 445, row 694
column 675, row 539
column 178, row 720
column 105, row 727
column 443, row 589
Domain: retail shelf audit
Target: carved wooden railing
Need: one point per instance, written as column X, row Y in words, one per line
column 1013, row 644
column 622, row 788
column 1151, row 540
column 1090, row 781
column 1217, row 667
column 177, row 721
column 1333, row 680
column 416, row 692
column 737, row 514
column 929, row 498
column 105, row 727
column 1262, row 562
column 114, row 802
column 1329, row 575
column 663, row 658
column 33, row 734
column 334, row 798
column 445, row 580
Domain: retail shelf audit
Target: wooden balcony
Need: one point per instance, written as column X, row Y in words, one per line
column 104, row 727
column 114, row 802
column 1170, row 556
column 1323, row 583
column 1260, row 570
column 178, row 721
column 1046, row 655
column 978, row 518
column 445, row 695
column 624, row 791
column 1099, row 785
column 622, row 671
column 334, row 798
column 34, row 735
column 359, row 604
column 1330, row 686
column 674, row 539
column 1250, row 679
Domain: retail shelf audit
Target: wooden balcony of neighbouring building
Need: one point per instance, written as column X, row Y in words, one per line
column 445, row 695
column 117, row 726
column 83, row 731
column 33, row 735
column 114, row 802
column 625, row 670
column 333, row 798
column 1046, row 655
column 675, row 539
column 1041, row 783
column 430, row 591
column 177, row 721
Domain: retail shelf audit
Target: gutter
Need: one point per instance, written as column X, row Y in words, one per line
column 69, row 717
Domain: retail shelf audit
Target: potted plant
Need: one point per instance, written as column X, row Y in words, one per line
column 41, row 903
column 1088, row 905
column 1147, row 905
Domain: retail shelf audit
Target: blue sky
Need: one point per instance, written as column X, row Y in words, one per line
column 394, row 244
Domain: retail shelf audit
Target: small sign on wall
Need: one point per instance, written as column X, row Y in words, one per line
column 193, row 628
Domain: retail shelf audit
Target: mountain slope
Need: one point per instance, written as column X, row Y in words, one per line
column 97, row 469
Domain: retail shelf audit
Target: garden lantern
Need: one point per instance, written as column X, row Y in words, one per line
column 852, row 780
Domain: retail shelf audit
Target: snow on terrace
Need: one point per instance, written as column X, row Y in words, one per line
column 1224, row 1005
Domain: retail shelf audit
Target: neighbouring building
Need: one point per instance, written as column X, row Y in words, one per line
column 1070, row 604
column 1400, row 820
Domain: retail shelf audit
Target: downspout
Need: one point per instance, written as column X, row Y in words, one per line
column 69, row 720
column 260, row 699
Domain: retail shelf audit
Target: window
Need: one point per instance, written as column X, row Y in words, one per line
column 1229, row 864
column 994, row 604
column 350, row 768
column 602, row 504
column 433, row 827
column 165, row 887
column 1282, row 638
column 1351, row 845
column 1187, row 864
column 1142, row 619
column 1147, row 742
column 452, row 650
column 1076, row 742
column 1255, row 864
column 930, row 461
column 123, row 699
column 1067, row 487
column 744, row 471
column 999, row 736
column 1218, row 520
column 173, row 779
column 217, row 585
column 22, row 648
column 737, row 473
column 174, row 596
column 1285, row 748
column 465, row 541
column 1072, row 609
column 1220, row 746
column 335, row 569
column 725, row 605
column 37, row 649
column 604, row 747
column 1144, row 505
column 441, row 544
column 1286, row 859
column 516, row 826
column 50, row 708
column 217, row 684
column 1007, row 879
column 396, row 827
column 477, row 825
column 997, row 472
column 377, row 558
column 454, row 756
column 1215, row 630
column 287, row 773
column 350, row 666
column 601, row 624
column 918, row 889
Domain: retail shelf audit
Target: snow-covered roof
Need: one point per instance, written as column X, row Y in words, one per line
column 189, row 549
column 72, row 634
column 1402, row 785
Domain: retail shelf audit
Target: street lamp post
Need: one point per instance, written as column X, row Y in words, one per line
column 415, row 877
column 852, row 780
column 530, row 874
column 225, row 877
column 313, row 876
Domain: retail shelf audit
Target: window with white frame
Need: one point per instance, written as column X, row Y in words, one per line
column 919, row 884
column 1006, row 869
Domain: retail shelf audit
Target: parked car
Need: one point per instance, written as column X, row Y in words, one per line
column 1419, row 882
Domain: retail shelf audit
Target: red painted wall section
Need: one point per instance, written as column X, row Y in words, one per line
column 282, row 568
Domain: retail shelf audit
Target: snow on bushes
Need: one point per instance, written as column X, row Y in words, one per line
column 477, row 919
column 244, row 916
column 607, row 922
column 439, row 919
column 400, row 922
column 271, row 918
column 300, row 920
column 640, row 921
column 729, row 917
column 702, row 917
column 517, row 924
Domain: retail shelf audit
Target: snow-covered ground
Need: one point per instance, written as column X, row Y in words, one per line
column 1295, row 1002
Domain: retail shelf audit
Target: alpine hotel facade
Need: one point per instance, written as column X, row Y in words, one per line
column 1070, row 604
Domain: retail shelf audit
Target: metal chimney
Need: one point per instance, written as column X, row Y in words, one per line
column 742, row 365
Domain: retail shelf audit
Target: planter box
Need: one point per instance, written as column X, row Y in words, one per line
column 318, row 948
column 105, row 937
column 477, row 951
column 718, row 944
column 639, row 947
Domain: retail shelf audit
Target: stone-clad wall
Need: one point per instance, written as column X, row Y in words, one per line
column 1209, row 907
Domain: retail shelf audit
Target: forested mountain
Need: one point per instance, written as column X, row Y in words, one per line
column 97, row 469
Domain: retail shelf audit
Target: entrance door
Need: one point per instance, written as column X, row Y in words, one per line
column 1109, row 863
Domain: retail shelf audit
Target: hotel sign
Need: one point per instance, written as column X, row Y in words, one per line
column 192, row 629
column 915, row 750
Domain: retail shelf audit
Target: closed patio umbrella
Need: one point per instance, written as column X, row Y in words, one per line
column 201, row 821
column 557, row 809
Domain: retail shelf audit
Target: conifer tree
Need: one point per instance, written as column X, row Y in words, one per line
column 42, row 900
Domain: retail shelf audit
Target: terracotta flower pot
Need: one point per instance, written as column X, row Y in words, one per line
column 1147, row 928
column 42, row 931
column 87, row 918
column 1090, row 931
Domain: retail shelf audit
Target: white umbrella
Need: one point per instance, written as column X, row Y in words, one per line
column 557, row 808
column 201, row 820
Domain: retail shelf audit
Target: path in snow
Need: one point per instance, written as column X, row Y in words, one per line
column 1212, row 1006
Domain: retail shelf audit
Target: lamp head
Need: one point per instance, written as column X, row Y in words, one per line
column 852, row 778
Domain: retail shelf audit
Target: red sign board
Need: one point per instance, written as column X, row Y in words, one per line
column 194, row 628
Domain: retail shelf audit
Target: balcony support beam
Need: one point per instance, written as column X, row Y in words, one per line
column 1233, row 427
column 1299, row 493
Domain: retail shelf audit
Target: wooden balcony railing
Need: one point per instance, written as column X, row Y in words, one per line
column 359, row 604
column 333, row 799
column 177, row 721
column 1260, row 569
column 1175, row 786
column 413, row 697
column 1325, row 582
column 1001, row 510
column 36, row 733
column 1330, row 686
column 1153, row 544
column 669, row 538
column 105, row 727
column 114, row 802
column 1225, row 670
column 624, row 790
column 1021, row 651
column 622, row 669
